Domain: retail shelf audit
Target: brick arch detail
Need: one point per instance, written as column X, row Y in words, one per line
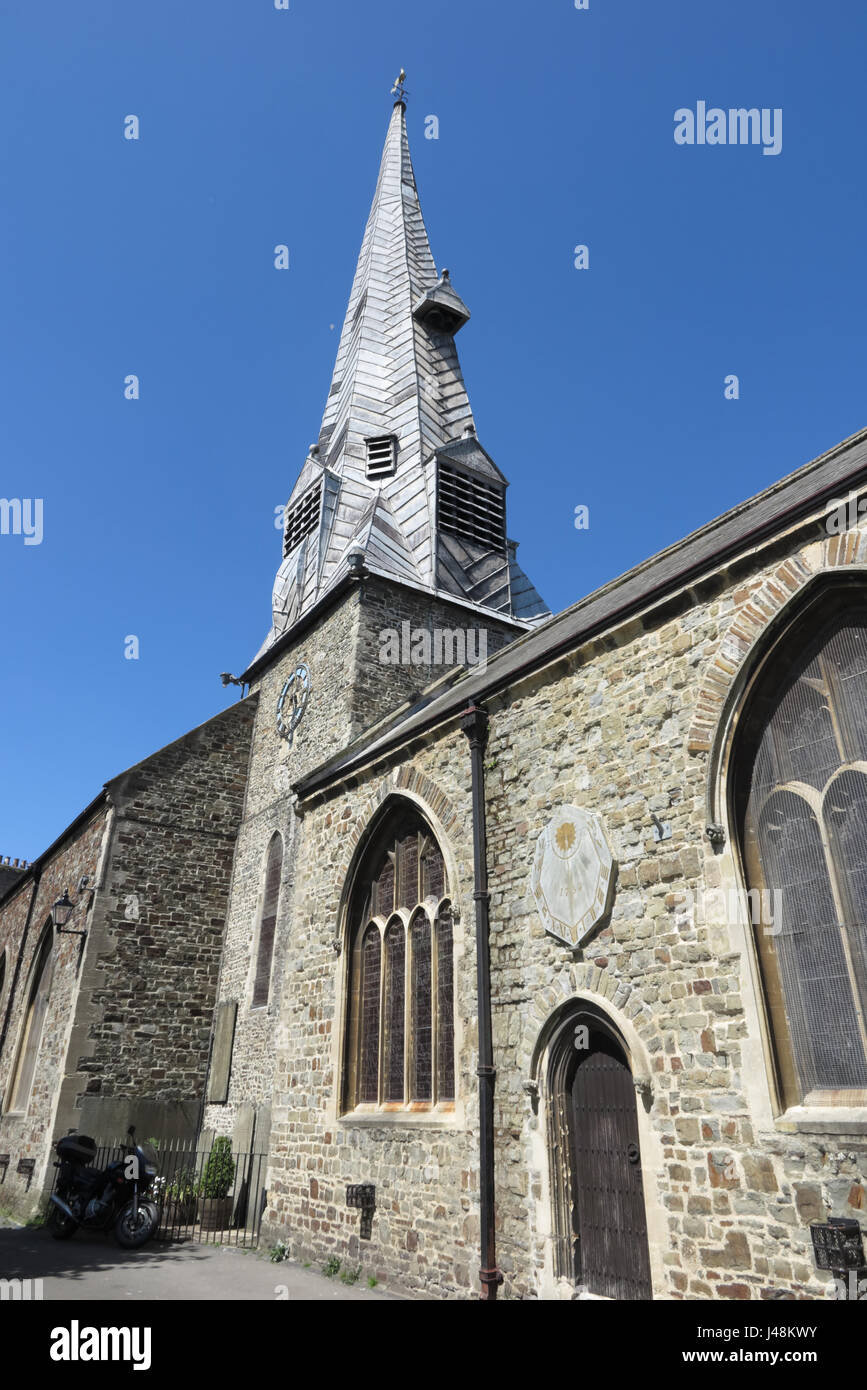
column 407, row 777
column 750, row 620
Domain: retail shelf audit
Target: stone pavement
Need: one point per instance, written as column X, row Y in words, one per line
column 90, row 1267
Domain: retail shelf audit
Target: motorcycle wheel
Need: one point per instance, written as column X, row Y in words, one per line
column 59, row 1224
column 130, row 1232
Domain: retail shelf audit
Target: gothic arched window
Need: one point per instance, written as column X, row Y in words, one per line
column 34, row 1021
column 800, row 802
column 268, row 924
column 400, row 1022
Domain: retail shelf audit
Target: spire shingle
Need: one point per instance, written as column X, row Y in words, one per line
column 397, row 376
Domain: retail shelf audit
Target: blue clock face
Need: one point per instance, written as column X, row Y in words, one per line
column 292, row 702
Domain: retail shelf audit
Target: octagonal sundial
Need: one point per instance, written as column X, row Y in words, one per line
column 573, row 874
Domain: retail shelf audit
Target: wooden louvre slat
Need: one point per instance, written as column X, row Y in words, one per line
column 302, row 519
column 470, row 508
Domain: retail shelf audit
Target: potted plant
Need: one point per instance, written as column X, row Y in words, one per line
column 181, row 1198
column 215, row 1204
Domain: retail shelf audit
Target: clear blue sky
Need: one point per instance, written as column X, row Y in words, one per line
column 258, row 126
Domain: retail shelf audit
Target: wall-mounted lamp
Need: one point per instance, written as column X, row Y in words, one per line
column 64, row 908
column 228, row 679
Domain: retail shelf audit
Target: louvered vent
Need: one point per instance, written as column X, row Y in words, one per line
column 381, row 456
column 470, row 508
column 302, row 519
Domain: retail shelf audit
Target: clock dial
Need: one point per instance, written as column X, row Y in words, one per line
column 292, row 702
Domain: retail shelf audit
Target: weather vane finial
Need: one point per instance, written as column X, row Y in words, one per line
column 399, row 89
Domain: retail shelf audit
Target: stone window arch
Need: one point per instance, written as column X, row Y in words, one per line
column 268, row 923
column 38, row 992
column 798, row 807
column 399, row 1040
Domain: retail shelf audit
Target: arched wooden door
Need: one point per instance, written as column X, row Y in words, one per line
column 608, row 1211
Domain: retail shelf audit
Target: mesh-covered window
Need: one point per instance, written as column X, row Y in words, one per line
column 801, row 803
column 445, row 1006
column 400, row 1021
column 408, row 859
column 471, row 508
column 268, row 926
column 393, row 1023
column 422, row 1022
column 433, row 874
column 34, row 1021
column 302, row 518
column 383, row 892
column 371, row 953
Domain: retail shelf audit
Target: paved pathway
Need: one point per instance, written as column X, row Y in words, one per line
column 89, row 1267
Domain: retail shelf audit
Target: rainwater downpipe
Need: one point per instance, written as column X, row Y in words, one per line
column 474, row 723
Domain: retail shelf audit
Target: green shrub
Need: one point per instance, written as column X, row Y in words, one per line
column 331, row 1267
column 219, row 1171
column 183, row 1186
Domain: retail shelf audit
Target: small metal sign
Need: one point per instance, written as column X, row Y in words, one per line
column 838, row 1244
column 363, row 1195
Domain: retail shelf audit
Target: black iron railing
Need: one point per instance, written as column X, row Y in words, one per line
column 217, row 1202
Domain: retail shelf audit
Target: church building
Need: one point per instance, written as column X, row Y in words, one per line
column 531, row 949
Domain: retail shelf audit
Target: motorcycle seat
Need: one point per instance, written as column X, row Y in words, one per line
column 89, row 1176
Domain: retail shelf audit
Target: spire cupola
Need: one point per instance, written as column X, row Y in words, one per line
column 441, row 309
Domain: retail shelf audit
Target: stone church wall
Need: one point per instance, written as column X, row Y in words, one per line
column 350, row 690
column 143, row 1028
column 26, row 1136
column 621, row 728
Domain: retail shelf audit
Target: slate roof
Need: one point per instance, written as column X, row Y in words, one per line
column 397, row 374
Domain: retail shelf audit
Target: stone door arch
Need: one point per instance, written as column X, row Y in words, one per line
column 599, row 1218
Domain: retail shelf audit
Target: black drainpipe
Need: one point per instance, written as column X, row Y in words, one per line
column 474, row 723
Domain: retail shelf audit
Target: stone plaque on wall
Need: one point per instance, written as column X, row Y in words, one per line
column 221, row 1057
column 573, row 874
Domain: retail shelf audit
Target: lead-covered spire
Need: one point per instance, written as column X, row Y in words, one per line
column 397, row 434
column 395, row 373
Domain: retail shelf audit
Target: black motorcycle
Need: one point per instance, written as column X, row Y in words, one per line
column 96, row 1198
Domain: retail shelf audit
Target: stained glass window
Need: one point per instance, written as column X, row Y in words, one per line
column 445, row 1006
column 801, row 802
column 37, row 1008
column 393, row 1025
column 409, row 871
column 433, row 874
column 400, row 1021
column 368, row 1085
column 422, row 1050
